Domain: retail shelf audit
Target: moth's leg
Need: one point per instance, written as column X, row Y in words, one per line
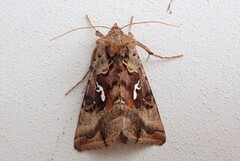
column 78, row 82
column 151, row 53
column 97, row 33
column 130, row 27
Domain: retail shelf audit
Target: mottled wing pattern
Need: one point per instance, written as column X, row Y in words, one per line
column 118, row 105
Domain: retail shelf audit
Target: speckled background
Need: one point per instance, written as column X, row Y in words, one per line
column 198, row 95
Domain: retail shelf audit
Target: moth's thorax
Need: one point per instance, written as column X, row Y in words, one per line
column 115, row 30
column 116, row 42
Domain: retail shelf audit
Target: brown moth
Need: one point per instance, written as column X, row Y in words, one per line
column 118, row 105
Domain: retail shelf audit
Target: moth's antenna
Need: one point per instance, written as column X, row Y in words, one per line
column 136, row 23
column 79, row 28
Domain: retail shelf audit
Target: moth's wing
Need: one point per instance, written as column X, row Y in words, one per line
column 148, row 128
column 88, row 133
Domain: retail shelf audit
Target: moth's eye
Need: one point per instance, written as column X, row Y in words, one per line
column 99, row 56
column 134, row 54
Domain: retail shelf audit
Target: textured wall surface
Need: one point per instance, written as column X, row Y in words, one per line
column 198, row 95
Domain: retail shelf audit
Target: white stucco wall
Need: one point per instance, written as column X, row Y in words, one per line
column 198, row 95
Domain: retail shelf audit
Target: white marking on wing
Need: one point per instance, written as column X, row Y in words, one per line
column 100, row 89
column 136, row 87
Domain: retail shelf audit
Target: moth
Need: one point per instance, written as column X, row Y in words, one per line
column 118, row 105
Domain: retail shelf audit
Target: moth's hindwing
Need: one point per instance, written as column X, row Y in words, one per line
column 118, row 105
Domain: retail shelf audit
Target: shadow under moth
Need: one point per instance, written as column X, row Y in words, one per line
column 118, row 105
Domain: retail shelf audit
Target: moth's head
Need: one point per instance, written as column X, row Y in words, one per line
column 115, row 30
